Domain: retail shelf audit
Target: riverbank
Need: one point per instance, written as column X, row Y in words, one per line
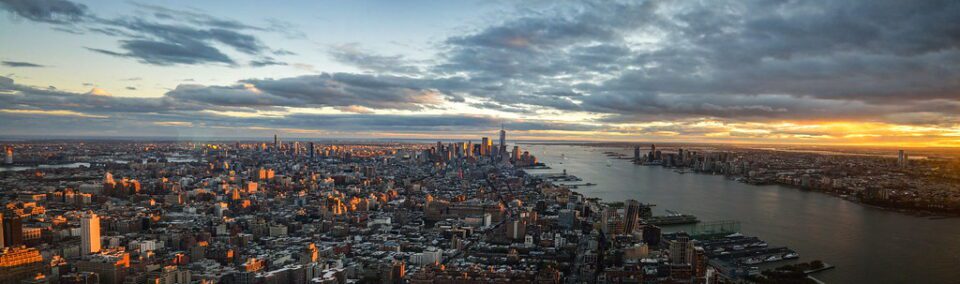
column 934, row 215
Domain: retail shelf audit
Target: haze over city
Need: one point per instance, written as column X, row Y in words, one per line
column 809, row 72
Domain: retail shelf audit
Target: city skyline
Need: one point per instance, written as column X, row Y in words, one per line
column 880, row 73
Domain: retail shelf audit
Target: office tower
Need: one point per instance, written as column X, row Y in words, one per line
column 8, row 159
column 902, row 159
column 2, row 244
column 313, row 150
column 276, row 142
column 516, row 153
column 485, row 146
column 681, row 250
column 632, row 216
column 503, row 140
column 636, row 153
column 12, row 231
column 90, row 230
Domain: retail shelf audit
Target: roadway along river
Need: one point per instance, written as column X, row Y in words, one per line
column 867, row 245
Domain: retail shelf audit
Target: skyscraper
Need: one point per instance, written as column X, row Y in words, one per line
column 90, row 230
column 681, row 250
column 632, row 216
column 12, row 231
column 902, row 159
column 503, row 141
column 8, row 159
column 485, row 146
column 276, row 142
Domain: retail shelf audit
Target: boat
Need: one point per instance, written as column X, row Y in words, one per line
column 773, row 258
column 791, row 255
column 752, row 261
column 673, row 219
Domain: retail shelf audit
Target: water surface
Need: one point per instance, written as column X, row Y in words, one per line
column 868, row 245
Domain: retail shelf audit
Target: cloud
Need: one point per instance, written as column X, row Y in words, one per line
column 169, row 44
column 164, row 53
column 353, row 55
column 156, row 35
column 716, row 68
column 266, row 62
column 343, row 89
column 780, row 60
column 46, row 11
column 99, row 92
column 20, row 64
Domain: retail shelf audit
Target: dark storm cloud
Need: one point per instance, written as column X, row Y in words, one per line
column 46, row 11
column 21, row 64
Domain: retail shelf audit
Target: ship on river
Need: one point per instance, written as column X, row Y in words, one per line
column 673, row 218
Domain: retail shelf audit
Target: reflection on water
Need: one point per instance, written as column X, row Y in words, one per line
column 867, row 245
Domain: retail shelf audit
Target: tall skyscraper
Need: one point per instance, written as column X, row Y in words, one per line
column 485, row 146
column 276, row 142
column 503, row 141
column 2, row 244
column 902, row 159
column 632, row 217
column 90, row 230
column 313, row 150
column 636, row 153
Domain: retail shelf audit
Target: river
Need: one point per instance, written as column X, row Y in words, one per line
column 866, row 244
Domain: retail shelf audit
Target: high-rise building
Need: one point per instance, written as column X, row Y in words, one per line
column 313, row 150
column 902, row 159
column 681, row 250
column 503, row 141
column 276, row 142
column 12, row 231
column 90, row 230
column 636, row 153
column 632, row 216
column 8, row 159
column 485, row 146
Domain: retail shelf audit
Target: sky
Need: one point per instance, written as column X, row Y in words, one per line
column 857, row 72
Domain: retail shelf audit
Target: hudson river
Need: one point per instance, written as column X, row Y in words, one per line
column 867, row 245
